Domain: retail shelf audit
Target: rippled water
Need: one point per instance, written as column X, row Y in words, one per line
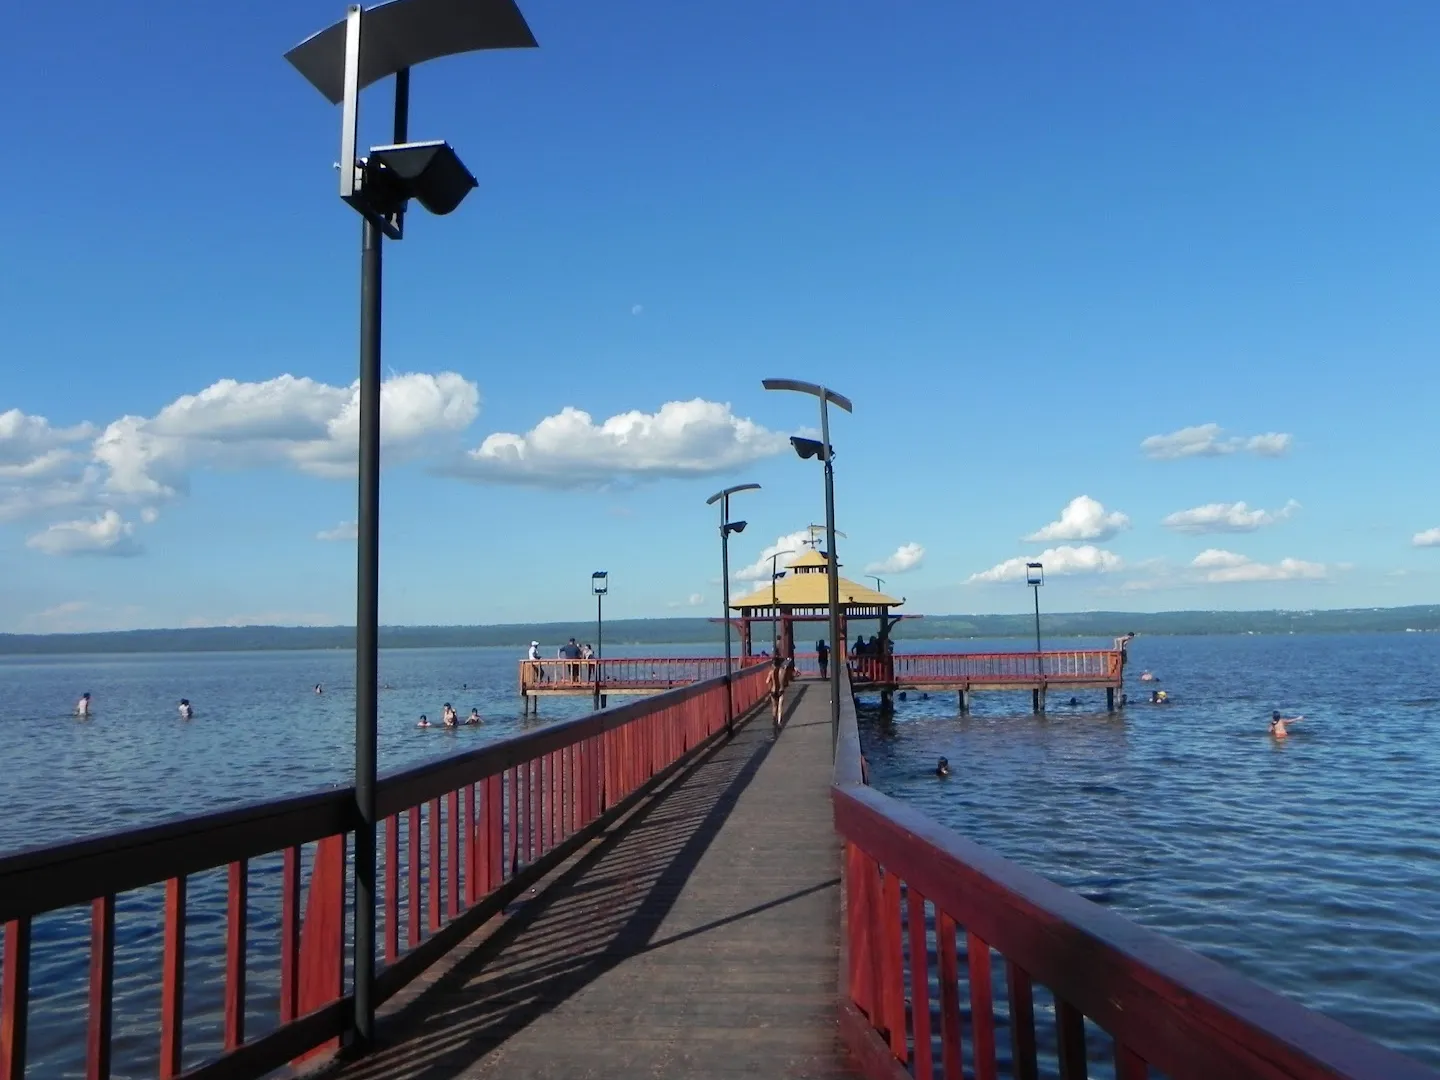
column 259, row 732
column 1311, row 865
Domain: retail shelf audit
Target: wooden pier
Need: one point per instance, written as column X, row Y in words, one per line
column 1041, row 673
column 634, row 893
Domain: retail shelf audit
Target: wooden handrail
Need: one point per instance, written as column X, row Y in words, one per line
column 1165, row 1006
column 465, row 834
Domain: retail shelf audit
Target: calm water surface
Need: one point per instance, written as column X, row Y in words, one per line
column 1311, row 865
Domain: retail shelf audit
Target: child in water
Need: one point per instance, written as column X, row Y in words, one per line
column 1278, row 722
column 942, row 767
column 474, row 717
column 449, row 716
column 187, row 712
column 424, row 722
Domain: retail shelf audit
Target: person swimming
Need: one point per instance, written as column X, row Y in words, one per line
column 424, row 721
column 1074, row 703
column 187, row 711
column 448, row 715
column 319, row 689
column 82, row 707
column 1146, row 676
column 942, row 767
column 474, row 717
column 1278, row 722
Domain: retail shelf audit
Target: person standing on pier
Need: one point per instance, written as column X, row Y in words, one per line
column 822, row 657
column 534, row 657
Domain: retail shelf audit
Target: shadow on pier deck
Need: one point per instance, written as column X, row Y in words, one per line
column 699, row 936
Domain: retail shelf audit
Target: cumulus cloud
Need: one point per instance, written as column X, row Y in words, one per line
column 346, row 530
column 136, row 463
column 108, row 534
column 569, row 449
column 906, row 557
column 788, row 547
column 1059, row 562
column 1227, row 518
column 1428, row 538
column 1224, row 567
column 695, row 599
column 1082, row 519
column 1210, row 440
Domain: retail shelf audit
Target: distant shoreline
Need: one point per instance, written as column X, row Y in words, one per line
column 692, row 631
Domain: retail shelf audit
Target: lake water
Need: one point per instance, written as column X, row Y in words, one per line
column 1310, row 865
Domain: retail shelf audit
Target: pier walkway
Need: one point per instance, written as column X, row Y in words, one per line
column 699, row 936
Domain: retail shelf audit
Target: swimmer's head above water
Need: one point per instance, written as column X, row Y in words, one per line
column 942, row 767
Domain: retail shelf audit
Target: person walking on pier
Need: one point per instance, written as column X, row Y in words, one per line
column 775, row 684
column 822, row 657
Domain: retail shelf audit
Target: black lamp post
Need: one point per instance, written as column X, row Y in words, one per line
column 775, row 575
column 599, row 585
column 340, row 62
column 1035, row 577
column 726, row 528
column 808, row 448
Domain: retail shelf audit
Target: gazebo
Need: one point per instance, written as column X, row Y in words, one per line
column 802, row 595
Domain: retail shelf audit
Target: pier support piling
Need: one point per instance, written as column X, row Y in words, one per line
column 1037, row 701
column 964, row 696
column 1109, row 699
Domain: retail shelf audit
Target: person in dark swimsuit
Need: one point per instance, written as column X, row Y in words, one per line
column 775, row 683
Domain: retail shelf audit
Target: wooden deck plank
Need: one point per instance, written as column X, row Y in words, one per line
column 698, row 938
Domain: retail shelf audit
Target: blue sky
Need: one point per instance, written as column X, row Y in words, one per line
column 1024, row 239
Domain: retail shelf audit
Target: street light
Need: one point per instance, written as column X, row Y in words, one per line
column 726, row 528
column 340, row 62
column 599, row 585
column 1035, row 577
column 775, row 575
column 808, row 448
column 879, row 582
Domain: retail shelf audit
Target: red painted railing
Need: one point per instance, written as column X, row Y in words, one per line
column 1070, row 666
column 952, row 954
column 618, row 674
column 460, row 838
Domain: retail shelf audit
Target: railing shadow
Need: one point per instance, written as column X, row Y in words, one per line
column 599, row 913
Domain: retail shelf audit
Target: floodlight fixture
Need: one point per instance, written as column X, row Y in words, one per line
column 735, row 527
column 600, row 582
column 1034, row 573
column 808, row 448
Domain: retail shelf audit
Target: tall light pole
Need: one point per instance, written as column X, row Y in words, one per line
column 879, row 582
column 775, row 575
column 340, row 62
column 1035, row 577
column 808, row 448
column 599, row 585
column 726, row 528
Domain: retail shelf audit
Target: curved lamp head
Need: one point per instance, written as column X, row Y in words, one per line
column 407, row 33
column 730, row 491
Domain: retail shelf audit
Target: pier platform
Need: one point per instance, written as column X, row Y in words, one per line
column 699, row 937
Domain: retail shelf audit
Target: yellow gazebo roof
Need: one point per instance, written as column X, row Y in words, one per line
column 806, row 584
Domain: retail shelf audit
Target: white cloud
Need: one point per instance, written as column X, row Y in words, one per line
column 1083, row 518
column 569, row 449
column 788, row 547
column 1210, row 440
column 1059, row 562
column 81, row 617
column 25, row 438
column 1428, row 538
column 346, row 530
column 695, row 599
column 136, row 461
column 1224, row 567
column 108, row 534
column 906, row 557
column 1227, row 518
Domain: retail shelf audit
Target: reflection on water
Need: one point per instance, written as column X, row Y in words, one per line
column 1308, row 864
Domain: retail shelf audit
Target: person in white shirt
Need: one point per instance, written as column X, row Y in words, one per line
column 82, row 707
column 187, row 712
column 534, row 657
